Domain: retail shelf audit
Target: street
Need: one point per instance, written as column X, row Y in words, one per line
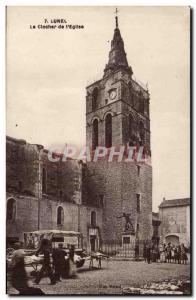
column 115, row 276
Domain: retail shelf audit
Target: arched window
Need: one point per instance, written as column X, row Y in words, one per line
column 141, row 106
column 147, row 107
column 60, row 215
column 20, row 186
column 44, row 178
column 93, row 218
column 11, row 209
column 94, row 98
column 141, row 133
column 108, row 131
column 95, row 134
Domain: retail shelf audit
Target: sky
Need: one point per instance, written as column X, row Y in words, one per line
column 48, row 71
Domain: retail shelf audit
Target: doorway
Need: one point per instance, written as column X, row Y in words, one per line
column 93, row 243
column 173, row 239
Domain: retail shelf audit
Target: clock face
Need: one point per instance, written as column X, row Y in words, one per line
column 112, row 95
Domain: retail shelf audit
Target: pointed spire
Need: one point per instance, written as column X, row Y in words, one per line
column 117, row 55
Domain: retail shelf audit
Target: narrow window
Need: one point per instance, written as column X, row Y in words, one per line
column 138, row 203
column 11, row 209
column 20, row 186
column 95, row 134
column 44, row 180
column 101, row 200
column 93, row 218
column 138, row 170
column 94, row 99
column 141, row 133
column 60, row 215
column 60, row 194
column 108, row 131
column 147, row 108
column 130, row 127
column 141, row 108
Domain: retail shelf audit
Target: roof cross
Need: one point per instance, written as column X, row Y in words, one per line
column 116, row 17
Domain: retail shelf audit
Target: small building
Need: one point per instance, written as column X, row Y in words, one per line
column 175, row 221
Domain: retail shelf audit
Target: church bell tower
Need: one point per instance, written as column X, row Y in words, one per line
column 117, row 114
column 117, row 107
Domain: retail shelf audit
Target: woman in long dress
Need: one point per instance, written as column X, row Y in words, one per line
column 162, row 253
column 184, row 256
column 72, row 266
column 169, row 253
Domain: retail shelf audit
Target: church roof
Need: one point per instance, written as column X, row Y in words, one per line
column 175, row 202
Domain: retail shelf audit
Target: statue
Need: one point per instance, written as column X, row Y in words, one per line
column 128, row 223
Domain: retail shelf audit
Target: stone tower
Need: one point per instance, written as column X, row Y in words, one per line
column 117, row 114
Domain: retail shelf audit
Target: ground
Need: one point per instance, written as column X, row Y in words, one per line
column 114, row 276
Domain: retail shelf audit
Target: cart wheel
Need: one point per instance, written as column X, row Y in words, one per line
column 80, row 263
column 34, row 273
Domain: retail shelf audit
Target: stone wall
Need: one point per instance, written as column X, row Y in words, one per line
column 26, row 218
column 119, row 185
column 175, row 221
column 76, row 217
column 21, row 167
column 24, row 172
column 64, row 186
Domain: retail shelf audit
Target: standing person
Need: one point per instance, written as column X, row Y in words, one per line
column 168, row 252
column 19, row 278
column 178, row 254
column 72, row 267
column 46, row 267
column 144, row 252
column 172, row 252
column 148, row 253
column 165, row 252
column 157, row 253
column 58, row 257
column 175, row 254
column 161, row 251
column 137, row 250
column 18, row 272
column 152, row 256
column 184, row 257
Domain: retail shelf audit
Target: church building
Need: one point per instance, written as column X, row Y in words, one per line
column 108, row 202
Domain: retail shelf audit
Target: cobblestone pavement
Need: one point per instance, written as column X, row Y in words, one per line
column 114, row 276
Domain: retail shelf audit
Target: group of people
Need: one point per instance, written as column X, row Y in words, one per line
column 165, row 253
column 173, row 253
column 61, row 266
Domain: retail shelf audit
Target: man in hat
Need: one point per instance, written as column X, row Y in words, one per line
column 58, row 257
column 46, row 267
